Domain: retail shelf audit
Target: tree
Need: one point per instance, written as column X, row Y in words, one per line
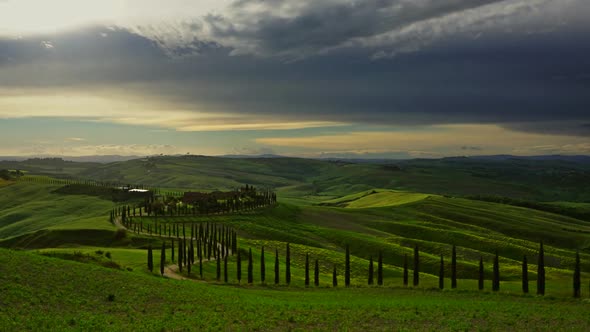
column 150, row 259
column 179, row 255
column 406, row 270
column 276, row 266
column 225, row 269
column 454, row 268
column 163, row 258
column 250, row 267
column 172, row 248
column 481, row 273
column 239, row 267
column 370, row 282
column 380, row 269
column 541, row 271
column 316, row 273
column 525, row 275
column 262, row 266
column 288, row 266
column 577, row 282
column 441, row 273
column 347, row 267
column 416, row 280
column 496, row 276
column 306, row 269
column 201, row 266
column 334, row 277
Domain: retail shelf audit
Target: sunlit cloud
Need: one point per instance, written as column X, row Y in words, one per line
column 437, row 140
column 134, row 111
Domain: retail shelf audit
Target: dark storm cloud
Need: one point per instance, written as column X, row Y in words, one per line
column 378, row 62
column 310, row 26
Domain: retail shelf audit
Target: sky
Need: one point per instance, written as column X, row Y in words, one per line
column 308, row 78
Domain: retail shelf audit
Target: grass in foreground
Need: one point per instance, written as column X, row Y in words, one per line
column 42, row 293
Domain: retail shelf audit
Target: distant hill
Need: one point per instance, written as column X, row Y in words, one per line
column 244, row 156
column 92, row 159
column 534, row 179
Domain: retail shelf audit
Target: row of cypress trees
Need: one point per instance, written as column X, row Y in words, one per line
column 371, row 272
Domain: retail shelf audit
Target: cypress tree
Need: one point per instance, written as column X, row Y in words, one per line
column 180, row 255
column 347, row 267
column 188, row 266
column 481, row 273
column 262, row 266
column 239, row 267
column 150, row 259
column 416, row 280
column 316, row 273
column 406, row 270
column 225, row 269
column 334, row 277
column 541, row 271
column 525, row 275
column 250, row 267
column 276, row 266
column 307, row 269
column 496, row 276
column 184, row 252
column 380, row 269
column 454, row 268
column 172, row 248
column 577, row 281
column 163, row 258
column 218, row 270
column 192, row 252
column 288, row 266
column 370, row 282
column 441, row 273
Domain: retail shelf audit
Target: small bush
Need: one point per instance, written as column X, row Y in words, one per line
column 111, row 264
column 111, row 297
column 108, row 255
column 99, row 252
column 120, row 234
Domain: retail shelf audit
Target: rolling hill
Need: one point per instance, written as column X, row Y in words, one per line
column 323, row 207
column 528, row 179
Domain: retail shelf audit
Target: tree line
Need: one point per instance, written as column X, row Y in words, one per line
column 378, row 274
column 205, row 242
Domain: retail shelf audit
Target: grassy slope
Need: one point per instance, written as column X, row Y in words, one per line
column 27, row 208
column 43, row 293
column 435, row 223
column 375, row 198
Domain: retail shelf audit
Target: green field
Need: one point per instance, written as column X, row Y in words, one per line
column 33, row 213
column 320, row 212
column 75, row 296
column 375, row 198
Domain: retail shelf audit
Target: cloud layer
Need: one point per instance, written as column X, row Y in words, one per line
column 521, row 65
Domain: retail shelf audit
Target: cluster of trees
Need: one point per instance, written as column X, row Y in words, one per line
column 244, row 199
column 6, row 174
column 379, row 272
column 193, row 203
column 205, row 242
